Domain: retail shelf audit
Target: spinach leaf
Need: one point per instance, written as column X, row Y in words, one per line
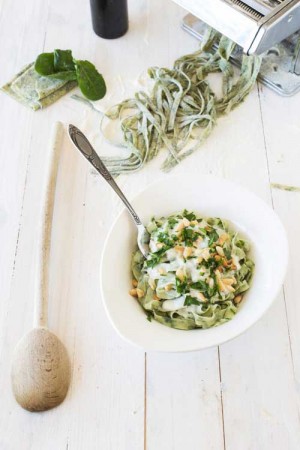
column 67, row 75
column 62, row 66
column 90, row 81
column 58, row 64
column 44, row 64
column 63, row 61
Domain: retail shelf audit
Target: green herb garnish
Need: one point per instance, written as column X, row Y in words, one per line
column 189, row 236
column 199, row 286
column 213, row 237
column 61, row 65
column 203, row 230
column 172, row 222
column 189, row 215
column 149, row 316
column 189, row 300
column 181, row 286
column 227, row 253
column 164, row 238
column 156, row 257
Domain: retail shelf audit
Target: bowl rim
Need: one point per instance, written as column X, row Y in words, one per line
column 219, row 340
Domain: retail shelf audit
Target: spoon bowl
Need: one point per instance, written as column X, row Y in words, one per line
column 40, row 371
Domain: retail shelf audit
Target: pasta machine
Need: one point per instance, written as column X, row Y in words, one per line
column 267, row 27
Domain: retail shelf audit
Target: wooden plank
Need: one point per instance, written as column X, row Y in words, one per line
column 184, row 408
column 184, row 393
column 104, row 375
column 183, row 401
column 281, row 128
column 236, row 150
column 260, row 406
column 98, row 402
column 260, row 410
column 16, row 138
column 15, row 135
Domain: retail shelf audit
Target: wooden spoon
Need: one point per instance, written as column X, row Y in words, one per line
column 41, row 368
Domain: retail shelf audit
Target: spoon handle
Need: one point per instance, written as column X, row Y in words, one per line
column 41, row 297
column 85, row 147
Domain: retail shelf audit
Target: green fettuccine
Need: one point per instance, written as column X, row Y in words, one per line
column 181, row 110
column 285, row 187
column 196, row 273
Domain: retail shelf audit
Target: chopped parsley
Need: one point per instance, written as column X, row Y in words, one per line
column 227, row 253
column 149, row 315
column 172, row 222
column 164, row 238
column 189, row 300
column 189, row 215
column 181, row 286
column 199, row 286
column 213, row 237
column 155, row 258
column 189, row 236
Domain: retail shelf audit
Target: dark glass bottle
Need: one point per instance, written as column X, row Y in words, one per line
column 109, row 18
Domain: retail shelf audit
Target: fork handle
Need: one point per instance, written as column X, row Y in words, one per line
column 87, row 150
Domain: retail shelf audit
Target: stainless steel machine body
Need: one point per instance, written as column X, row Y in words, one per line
column 267, row 27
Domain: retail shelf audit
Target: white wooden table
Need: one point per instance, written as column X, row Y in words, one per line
column 243, row 395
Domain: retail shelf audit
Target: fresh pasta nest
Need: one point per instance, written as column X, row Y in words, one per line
column 181, row 110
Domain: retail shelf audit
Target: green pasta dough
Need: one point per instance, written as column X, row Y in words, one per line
column 35, row 91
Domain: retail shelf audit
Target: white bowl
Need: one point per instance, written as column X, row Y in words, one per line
column 210, row 197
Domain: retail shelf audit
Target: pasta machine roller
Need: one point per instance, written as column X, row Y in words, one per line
column 267, row 27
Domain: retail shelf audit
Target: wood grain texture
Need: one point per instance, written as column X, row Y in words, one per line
column 244, row 396
column 40, row 371
column 42, row 269
column 41, row 366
